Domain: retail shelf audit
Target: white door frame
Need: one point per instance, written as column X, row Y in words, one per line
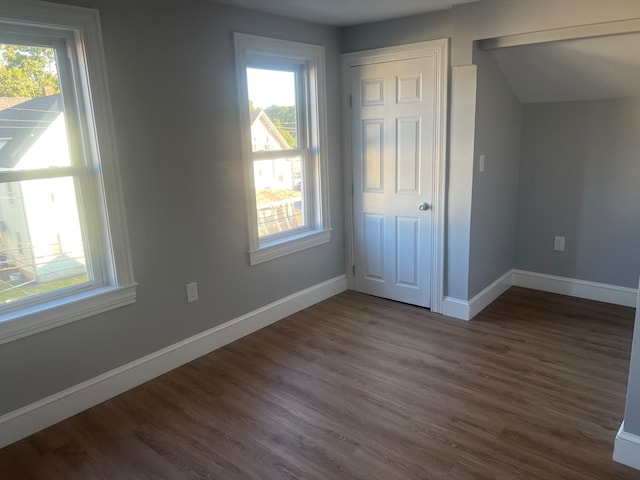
column 439, row 49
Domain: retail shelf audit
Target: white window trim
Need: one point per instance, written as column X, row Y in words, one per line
column 83, row 26
column 319, row 231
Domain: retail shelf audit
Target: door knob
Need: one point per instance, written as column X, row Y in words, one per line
column 424, row 206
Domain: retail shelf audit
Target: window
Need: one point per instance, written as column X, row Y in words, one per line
column 62, row 258
column 281, row 87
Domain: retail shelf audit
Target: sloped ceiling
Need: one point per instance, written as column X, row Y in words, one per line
column 571, row 70
column 341, row 13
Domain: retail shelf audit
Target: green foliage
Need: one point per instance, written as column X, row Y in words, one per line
column 284, row 119
column 286, row 134
column 27, row 71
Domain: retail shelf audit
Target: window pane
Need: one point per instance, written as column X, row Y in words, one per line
column 272, row 109
column 279, row 197
column 32, row 127
column 41, row 247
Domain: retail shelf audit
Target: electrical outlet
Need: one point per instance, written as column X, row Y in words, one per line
column 192, row 292
column 481, row 163
column 558, row 244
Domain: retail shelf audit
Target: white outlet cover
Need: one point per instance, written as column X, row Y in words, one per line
column 558, row 244
column 481, row 163
column 192, row 292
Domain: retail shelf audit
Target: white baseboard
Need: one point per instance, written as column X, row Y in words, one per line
column 600, row 292
column 483, row 299
column 466, row 310
column 55, row 408
column 626, row 448
column 456, row 308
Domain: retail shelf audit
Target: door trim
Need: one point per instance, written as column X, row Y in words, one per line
column 440, row 49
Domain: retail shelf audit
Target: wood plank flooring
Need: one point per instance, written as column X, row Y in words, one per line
column 358, row 387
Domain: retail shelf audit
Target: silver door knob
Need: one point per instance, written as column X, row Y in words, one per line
column 424, row 206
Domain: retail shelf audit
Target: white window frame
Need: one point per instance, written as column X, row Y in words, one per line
column 265, row 52
column 112, row 282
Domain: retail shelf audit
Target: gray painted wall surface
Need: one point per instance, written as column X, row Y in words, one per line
column 459, row 182
column 172, row 73
column 417, row 28
column 496, row 18
column 579, row 179
column 494, row 202
column 632, row 410
column 467, row 23
column 171, row 69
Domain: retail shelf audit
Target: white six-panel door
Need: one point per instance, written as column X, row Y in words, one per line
column 394, row 115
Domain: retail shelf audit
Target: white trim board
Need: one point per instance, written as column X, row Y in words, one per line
column 601, row 292
column 55, row 408
column 456, row 308
column 626, row 448
column 619, row 27
column 464, row 310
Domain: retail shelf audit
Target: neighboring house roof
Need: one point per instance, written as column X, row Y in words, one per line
column 59, row 266
column 261, row 116
column 8, row 102
column 254, row 115
column 22, row 124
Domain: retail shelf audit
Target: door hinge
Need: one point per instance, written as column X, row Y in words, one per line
column 353, row 268
column 352, row 189
column 350, row 101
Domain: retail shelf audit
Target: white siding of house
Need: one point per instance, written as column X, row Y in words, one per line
column 262, row 138
column 277, row 173
column 48, row 205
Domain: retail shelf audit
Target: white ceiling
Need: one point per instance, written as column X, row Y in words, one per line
column 341, row 13
column 572, row 70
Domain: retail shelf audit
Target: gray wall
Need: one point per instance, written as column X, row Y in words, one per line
column 464, row 24
column 494, row 204
column 171, row 69
column 417, row 28
column 579, row 179
column 632, row 410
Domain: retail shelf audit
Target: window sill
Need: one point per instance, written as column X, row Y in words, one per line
column 279, row 248
column 31, row 320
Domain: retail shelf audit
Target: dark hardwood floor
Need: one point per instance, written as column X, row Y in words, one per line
column 360, row 387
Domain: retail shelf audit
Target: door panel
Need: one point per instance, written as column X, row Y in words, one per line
column 408, row 156
column 407, row 240
column 393, row 146
column 374, row 246
column 373, row 146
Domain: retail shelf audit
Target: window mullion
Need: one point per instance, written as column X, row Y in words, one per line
column 41, row 173
column 69, row 87
column 302, row 99
column 275, row 154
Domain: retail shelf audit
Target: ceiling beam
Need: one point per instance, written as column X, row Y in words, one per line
column 559, row 34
